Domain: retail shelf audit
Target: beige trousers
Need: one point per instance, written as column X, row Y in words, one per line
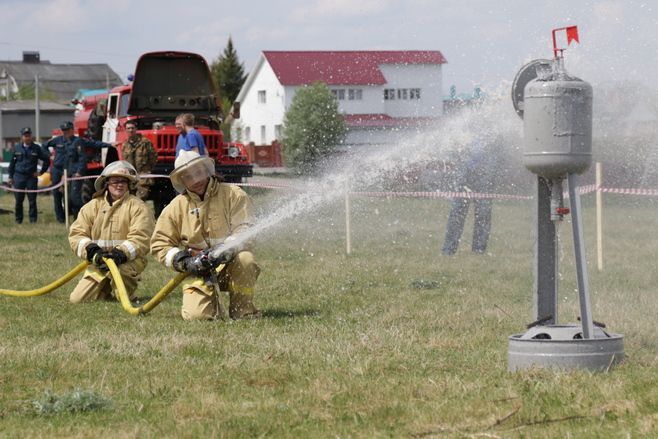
column 238, row 277
column 98, row 285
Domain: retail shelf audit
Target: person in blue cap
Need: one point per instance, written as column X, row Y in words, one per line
column 69, row 155
column 23, row 173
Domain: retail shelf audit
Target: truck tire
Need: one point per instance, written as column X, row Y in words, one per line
column 161, row 196
column 87, row 190
column 232, row 178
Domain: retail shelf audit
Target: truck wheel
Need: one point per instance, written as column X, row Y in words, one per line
column 87, row 190
column 161, row 196
column 232, row 179
column 158, row 205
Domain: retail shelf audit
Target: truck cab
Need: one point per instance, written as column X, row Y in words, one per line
column 165, row 85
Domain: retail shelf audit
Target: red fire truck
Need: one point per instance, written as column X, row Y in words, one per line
column 165, row 85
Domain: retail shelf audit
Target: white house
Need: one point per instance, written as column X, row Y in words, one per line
column 380, row 93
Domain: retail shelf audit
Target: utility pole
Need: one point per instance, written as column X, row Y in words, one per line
column 2, row 136
column 37, row 110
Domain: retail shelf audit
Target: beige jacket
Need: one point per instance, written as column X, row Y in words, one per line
column 126, row 224
column 191, row 223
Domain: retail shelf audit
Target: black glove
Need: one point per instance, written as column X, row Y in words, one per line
column 198, row 265
column 116, row 255
column 94, row 253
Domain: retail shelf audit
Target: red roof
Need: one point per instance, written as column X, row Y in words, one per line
column 343, row 67
column 382, row 120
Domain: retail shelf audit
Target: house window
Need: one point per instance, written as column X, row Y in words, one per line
column 247, row 134
column 403, row 93
column 263, row 132
column 414, row 93
column 278, row 132
column 389, row 94
column 339, row 94
column 354, row 94
column 262, row 97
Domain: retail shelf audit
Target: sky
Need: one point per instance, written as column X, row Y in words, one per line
column 484, row 41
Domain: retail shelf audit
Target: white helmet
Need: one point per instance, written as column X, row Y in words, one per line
column 120, row 168
column 190, row 162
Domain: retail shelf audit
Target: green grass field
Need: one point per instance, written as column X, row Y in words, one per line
column 393, row 340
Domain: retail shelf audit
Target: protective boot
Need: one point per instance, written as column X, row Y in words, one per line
column 241, row 306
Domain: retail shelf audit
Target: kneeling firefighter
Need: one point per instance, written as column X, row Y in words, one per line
column 200, row 222
column 117, row 225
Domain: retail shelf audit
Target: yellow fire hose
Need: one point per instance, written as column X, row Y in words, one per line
column 118, row 282
column 123, row 294
column 50, row 287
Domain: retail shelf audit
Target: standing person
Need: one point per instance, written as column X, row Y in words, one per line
column 189, row 139
column 23, row 173
column 115, row 224
column 476, row 174
column 69, row 155
column 139, row 152
column 205, row 214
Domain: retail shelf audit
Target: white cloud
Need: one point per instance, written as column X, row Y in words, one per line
column 66, row 15
column 340, row 8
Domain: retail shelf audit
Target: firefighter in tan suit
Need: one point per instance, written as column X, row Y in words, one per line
column 207, row 213
column 115, row 224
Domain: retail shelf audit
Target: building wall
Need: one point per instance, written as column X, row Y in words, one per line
column 371, row 102
column 11, row 123
column 254, row 114
column 427, row 78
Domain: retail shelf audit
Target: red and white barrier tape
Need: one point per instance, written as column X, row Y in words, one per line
column 46, row 189
column 583, row 190
column 628, row 191
column 442, row 194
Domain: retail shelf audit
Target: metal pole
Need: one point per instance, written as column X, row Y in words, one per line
column 66, row 198
column 348, row 224
column 545, row 287
column 37, row 109
column 2, row 136
column 579, row 254
column 599, row 217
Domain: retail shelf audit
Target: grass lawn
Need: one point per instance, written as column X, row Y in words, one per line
column 392, row 340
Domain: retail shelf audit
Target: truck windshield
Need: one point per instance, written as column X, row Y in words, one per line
column 123, row 107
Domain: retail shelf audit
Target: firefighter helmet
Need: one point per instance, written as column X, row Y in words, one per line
column 119, row 168
column 190, row 163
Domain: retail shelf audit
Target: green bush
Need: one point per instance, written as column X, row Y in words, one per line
column 313, row 128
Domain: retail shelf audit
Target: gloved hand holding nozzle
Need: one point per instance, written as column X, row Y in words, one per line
column 199, row 265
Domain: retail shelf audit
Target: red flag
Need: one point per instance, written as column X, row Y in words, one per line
column 572, row 34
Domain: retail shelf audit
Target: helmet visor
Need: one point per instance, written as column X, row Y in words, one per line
column 194, row 175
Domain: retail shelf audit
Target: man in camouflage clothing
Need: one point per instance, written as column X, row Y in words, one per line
column 139, row 151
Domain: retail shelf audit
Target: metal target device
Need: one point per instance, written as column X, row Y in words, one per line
column 556, row 109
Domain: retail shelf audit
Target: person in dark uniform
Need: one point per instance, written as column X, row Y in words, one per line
column 70, row 156
column 23, row 173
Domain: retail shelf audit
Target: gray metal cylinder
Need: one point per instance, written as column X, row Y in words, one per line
column 557, row 122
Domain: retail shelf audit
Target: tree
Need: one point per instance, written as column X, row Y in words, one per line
column 228, row 73
column 28, row 92
column 313, row 127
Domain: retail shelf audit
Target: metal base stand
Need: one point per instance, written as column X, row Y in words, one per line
column 562, row 347
column 572, row 346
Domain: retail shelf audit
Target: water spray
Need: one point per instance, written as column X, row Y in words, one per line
column 556, row 109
